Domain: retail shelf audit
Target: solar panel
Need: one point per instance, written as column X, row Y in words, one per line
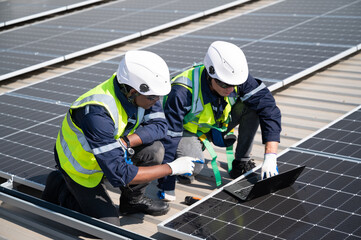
column 341, row 139
column 323, row 203
column 12, row 12
column 42, row 44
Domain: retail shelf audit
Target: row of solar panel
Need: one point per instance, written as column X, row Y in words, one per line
column 62, row 38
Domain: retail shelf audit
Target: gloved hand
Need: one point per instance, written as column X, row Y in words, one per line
column 220, row 139
column 269, row 166
column 182, row 165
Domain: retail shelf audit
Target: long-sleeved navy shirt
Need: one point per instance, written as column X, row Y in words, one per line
column 98, row 128
column 179, row 103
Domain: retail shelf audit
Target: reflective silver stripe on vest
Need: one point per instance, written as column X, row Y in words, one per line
column 183, row 80
column 81, row 138
column 174, row 134
column 72, row 161
column 254, row 91
column 197, row 105
column 154, row 116
column 232, row 100
column 106, row 148
column 104, row 98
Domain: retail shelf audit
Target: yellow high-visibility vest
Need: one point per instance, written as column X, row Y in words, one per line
column 201, row 117
column 76, row 157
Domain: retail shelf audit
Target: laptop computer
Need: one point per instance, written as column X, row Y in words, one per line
column 252, row 187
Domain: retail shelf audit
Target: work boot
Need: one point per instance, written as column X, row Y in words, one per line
column 53, row 187
column 241, row 167
column 144, row 205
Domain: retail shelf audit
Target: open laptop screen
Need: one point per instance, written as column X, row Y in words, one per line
column 253, row 187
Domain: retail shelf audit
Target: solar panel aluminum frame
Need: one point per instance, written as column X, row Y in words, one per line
column 32, row 68
column 163, row 229
column 295, row 148
column 13, row 179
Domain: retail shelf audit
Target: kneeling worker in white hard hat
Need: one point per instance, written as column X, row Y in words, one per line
column 206, row 103
column 113, row 131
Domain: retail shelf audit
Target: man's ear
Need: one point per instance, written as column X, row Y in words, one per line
column 132, row 93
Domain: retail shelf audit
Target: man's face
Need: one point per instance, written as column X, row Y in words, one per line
column 145, row 101
column 221, row 88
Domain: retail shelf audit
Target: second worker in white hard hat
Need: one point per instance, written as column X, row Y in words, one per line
column 206, row 103
column 113, row 132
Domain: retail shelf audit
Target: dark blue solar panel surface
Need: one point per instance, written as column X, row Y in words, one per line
column 324, row 202
column 341, row 139
column 16, row 11
column 62, row 38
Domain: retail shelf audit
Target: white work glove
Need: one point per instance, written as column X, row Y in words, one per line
column 182, row 165
column 269, row 166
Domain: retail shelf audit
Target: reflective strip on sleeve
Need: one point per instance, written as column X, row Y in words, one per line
column 154, row 116
column 254, row 91
column 174, row 134
column 106, row 148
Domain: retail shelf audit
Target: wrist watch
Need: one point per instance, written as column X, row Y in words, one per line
column 129, row 149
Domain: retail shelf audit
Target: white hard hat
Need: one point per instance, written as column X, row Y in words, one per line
column 144, row 71
column 226, row 62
